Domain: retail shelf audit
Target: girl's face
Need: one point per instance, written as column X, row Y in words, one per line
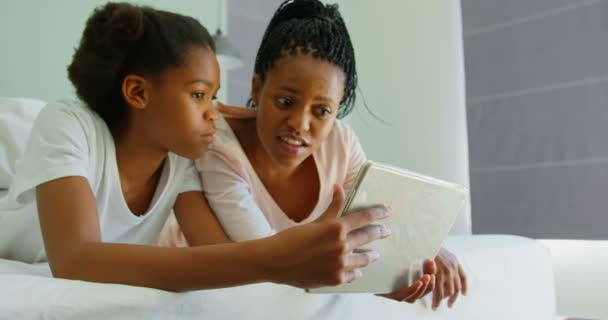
column 297, row 107
column 180, row 111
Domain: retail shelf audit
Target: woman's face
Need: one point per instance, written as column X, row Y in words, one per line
column 181, row 113
column 297, row 107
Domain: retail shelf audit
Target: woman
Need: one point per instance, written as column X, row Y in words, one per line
column 273, row 169
column 100, row 175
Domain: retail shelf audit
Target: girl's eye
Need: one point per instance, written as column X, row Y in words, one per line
column 284, row 101
column 198, row 95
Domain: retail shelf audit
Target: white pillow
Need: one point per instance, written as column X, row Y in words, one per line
column 16, row 119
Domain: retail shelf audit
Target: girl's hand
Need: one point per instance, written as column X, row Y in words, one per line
column 451, row 279
column 418, row 289
column 321, row 253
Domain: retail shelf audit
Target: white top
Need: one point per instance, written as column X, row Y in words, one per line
column 241, row 201
column 69, row 139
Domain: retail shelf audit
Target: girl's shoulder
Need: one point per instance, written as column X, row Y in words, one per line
column 69, row 111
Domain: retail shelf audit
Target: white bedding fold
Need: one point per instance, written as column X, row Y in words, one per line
column 510, row 278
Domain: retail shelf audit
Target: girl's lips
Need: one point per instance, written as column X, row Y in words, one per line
column 208, row 137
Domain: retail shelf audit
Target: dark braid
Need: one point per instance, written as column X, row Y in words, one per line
column 309, row 26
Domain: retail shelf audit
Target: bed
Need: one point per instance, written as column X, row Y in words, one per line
column 510, row 278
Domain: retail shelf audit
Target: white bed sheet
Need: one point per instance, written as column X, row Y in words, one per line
column 510, row 278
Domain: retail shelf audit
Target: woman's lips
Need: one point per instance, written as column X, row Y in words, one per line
column 291, row 145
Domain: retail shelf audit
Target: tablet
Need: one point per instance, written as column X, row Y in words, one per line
column 423, row 212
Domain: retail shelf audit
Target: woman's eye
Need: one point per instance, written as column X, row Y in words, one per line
column 322, row 112
column 198, row 95
column 284, row 101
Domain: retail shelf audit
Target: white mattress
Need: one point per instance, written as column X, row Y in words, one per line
column 510, row 278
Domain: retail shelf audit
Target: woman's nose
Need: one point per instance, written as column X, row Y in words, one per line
column 299, row 120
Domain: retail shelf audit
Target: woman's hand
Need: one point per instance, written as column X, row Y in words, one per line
column 451, row 279
column 321, row 253
column 237, row 112
column 418, row 289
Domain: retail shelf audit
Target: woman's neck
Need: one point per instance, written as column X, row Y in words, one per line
column 263, row 164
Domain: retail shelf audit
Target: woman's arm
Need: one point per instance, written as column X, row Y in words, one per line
column 308, row 256
column 196, row 220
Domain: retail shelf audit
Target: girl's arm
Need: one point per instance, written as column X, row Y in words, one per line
column 307, row 256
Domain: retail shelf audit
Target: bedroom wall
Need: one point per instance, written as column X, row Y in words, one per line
column 411, row 74
column 38, row 39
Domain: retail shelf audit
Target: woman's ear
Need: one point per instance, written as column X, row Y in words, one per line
column 134, row 91
column 256, row 87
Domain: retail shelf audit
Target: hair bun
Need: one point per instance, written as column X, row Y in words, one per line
column 119, row 22
column 303, row 9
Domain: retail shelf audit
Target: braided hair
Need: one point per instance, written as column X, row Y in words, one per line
column 310, row 27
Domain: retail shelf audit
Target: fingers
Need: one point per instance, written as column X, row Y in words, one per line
column 429, row 267
column 426, row 280
column 463, row 281
column 450, row 288
column 431, row 286
column 412, row 293
column 405, row 293
column 438, row 294
column 365, row 235
column 364, row 217
column 456, row 283
column 361, row 260
column 235, row 111
column 335, row 205
column 352, row 275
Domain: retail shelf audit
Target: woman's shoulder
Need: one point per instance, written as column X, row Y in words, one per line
column 341, row 134
column 227, row 145
column 231, row 134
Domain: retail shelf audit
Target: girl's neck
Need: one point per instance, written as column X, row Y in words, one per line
column 138, row 160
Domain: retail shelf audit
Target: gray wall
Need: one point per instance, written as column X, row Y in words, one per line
column 537, row 104
column 247, row 20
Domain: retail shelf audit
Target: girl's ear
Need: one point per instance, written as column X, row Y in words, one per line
column 256, row 87
column 134, row 91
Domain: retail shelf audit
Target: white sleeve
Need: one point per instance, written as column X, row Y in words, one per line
column 230, row 197
column 57, row 147
column 192, row 180
column 355, row 155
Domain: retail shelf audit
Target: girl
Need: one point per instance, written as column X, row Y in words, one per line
column 100, row 175
column 274, row 169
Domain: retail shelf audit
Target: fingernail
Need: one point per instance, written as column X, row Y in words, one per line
column 373, row 256
column 385, row 232
column 358, row 273
column 388, row 211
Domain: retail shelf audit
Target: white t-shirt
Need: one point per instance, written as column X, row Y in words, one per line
column 69, row 139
